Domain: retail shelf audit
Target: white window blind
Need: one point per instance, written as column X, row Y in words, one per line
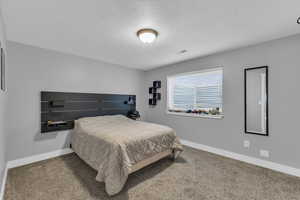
column 196, row 91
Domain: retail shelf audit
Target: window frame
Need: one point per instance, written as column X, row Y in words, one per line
column 209, row 116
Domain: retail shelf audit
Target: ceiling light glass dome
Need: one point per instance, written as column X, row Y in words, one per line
column 147, row 35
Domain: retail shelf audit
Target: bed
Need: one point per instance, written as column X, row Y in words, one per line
column 116, row 146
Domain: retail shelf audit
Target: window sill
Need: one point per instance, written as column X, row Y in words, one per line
column 196, row 115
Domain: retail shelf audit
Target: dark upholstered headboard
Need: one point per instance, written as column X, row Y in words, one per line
column 60, row 109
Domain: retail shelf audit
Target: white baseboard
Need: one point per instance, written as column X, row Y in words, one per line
column 255, row 161
column 36, row 158
column 3, row 183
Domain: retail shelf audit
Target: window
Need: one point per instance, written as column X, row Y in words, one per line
column 196, row 93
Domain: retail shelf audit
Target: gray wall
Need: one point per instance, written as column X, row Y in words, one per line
column 282, row 56
column 33, row 70
column 2, row 111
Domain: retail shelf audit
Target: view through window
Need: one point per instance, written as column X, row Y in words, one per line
column 196, row 92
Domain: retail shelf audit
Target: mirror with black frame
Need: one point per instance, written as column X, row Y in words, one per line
column 256, row 100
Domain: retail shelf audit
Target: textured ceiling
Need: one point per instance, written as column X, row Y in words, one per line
column 106, row 29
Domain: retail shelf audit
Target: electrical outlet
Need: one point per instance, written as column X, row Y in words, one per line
column 264, row 153
column 246, row 143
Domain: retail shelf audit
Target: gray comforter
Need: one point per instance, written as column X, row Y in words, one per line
column 112, row 144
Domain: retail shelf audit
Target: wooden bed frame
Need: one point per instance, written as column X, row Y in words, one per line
column 150, row 160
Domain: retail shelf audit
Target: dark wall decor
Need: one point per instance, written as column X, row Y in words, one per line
column 256, row 100
column 2, row 70
column 60, row 109
column 154, row 94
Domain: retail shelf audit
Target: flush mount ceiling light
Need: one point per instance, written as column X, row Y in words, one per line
column 147, row 35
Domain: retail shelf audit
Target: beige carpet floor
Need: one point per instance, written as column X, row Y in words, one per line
column 196, row 175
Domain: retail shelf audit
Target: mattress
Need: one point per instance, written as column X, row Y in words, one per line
column 116, row 146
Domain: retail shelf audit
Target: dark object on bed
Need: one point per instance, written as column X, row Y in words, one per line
column 135, row 115
column 60, row 109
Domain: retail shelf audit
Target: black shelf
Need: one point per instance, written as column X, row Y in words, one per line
column 157, row 96
column 154, row 94
column 157, row 84
column 152, row 90
column 152, row 102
